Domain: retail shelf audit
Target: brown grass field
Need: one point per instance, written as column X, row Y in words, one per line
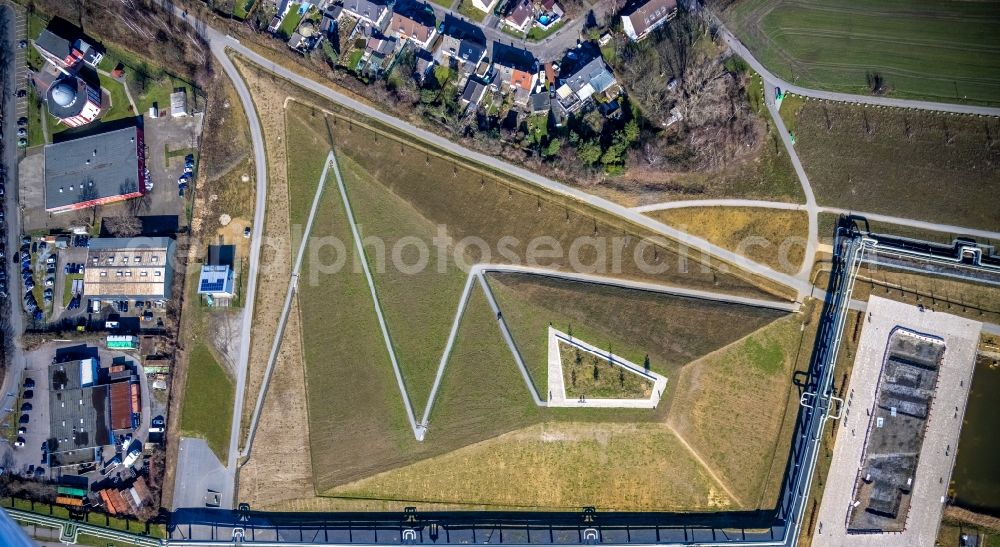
column 919, row 165
column 773, row 237
column 559, row 466
column 742, row 396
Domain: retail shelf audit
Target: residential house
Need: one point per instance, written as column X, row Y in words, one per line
column 379, row 53
column 473, row 93
column 641, row 19
column 539, row 103
column 592, row 78
column 405, row 28
column 520, row 16
column 485, row 6
column 281, row 9
column 464, row 54
column 549, row 13
column 366, row 11
column 520, row 81
column 328, row 24
column 64, row 53
column 423, row 63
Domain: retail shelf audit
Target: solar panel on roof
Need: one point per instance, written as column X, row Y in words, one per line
column 208, row 285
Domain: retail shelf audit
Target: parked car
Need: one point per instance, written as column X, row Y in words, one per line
column 21, row 93
column 50, row 281
column 24, row 419
column 22, row 142
column 28, row 394
column 26, row 407
column 19, row 442
column 22, row 132
column 22, row 430
column 29, row 383
column 22, row 44
column 22, row 121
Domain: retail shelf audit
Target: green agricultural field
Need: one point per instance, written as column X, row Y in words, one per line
column 945, row 51
column 917, row 165
column 208, row 394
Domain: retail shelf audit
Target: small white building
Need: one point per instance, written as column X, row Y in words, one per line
column 178, row 104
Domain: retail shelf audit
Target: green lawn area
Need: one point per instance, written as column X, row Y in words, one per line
column 208, row 394
column 148, row 82
column 120, row 107
column 743, row 396
column 36, row 23
column 354, row 58
column 36, row 134
column 446, row 4
column 307, row 145
column 466, row 8
column 945, row 51
column 537, row 34
column 67, row 295
column 290, row 22
column 241, row 8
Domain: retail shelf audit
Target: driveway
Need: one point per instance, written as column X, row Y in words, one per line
column 202, row 472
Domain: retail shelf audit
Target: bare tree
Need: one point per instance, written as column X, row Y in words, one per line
column 123, row 224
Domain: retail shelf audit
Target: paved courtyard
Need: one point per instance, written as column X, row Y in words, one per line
column 944, row 424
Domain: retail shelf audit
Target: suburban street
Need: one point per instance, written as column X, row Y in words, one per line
column 14, row 28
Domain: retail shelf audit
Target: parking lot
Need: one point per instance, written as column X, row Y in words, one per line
column 21, row 459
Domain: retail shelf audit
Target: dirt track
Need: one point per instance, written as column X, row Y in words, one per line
column 280, row 466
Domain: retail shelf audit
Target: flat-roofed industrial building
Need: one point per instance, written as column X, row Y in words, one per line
column 79, row 414
column 138, row 268
column 95, row 170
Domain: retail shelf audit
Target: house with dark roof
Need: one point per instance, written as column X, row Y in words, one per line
column 539, row 103
column 473, row 93
column 520, row 16
column 66, row 52
column 641, row 19
column 591, row 78
column 365, row 10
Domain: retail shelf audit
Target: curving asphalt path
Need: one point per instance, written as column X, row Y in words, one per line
column 932, row 226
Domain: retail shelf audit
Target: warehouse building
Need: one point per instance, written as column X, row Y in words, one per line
column 139, row 268
column 95, row 170
column 79, row 415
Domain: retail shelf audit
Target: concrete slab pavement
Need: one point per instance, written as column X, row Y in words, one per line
column 944, row 424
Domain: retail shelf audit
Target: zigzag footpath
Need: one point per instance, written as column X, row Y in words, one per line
column 476, row 273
